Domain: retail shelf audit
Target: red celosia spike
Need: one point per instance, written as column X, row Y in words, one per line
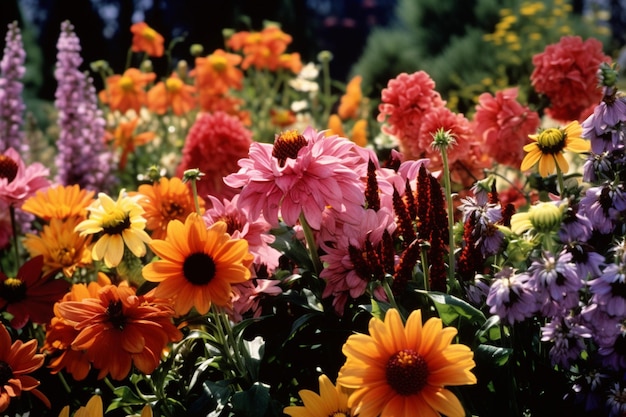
column 372, row 198
column 387, row 251
column 493, row 195
column 404, row 270
column 507, row 212
column 438, row 217
column 373, row 258
column 409, row 197
column 361, row 264
column 423, row 204
column 436, row 255
column 466, row 264
column 405, row 224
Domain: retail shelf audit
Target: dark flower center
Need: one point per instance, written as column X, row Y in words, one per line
column 618, row 289
column 115, row 223
column 172, row 210
column 232, row 224
column 287, row 145
column 407, row 372
column 6, row 373
column 13, row 290
column 8, row 168
column 199, row 268
column 115, row 311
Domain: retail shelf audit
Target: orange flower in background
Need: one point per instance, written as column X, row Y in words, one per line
column 146, row 39
column 217, row 73
column 359, row 133
column 351, row 100
column 261, row 50
column 198, row 265
column 282, row 117
column 62, row 248
column 164, row 201
column 17, row 360
column 335, row 126
column 291, row 62
column 124, row 138
column 402, row 370
column 173, row 93
column 213, row 103
column 120, row 329
column 60, row 202
column 127, row 91
column 60, row 333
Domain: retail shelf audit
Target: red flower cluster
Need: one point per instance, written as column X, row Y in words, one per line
column 504, row 125
column 566, row 73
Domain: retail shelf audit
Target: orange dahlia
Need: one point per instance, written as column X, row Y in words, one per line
column 198, row 265
column 119, row 329
column 17, row 360
column 59, row 202
column 402, row 370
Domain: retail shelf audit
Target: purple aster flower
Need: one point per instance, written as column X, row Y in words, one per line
column 83, row 158
column 603, row 166
column 11, row 103
column 486, row 234
column 616, row 401
column 609, row 290
column 511, row 297
column 587, row 388
column 478, row 290
column 556, row 283
column 588, row 262
column 602, row 206
column 567, row 337
column 574, row 228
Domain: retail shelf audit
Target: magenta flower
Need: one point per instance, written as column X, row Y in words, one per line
column 301, row 174
column 18, row 181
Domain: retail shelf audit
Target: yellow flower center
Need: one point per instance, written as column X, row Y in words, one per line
column 545, row 217
column 551, row 141
column 173, row 85
column 8, row 168
column 13, row 289
column 339, row 414
column 115, row 222
column 407, row 372
column 287, row 145
column 65, row 256
column 199, row 268
column 126, row 83
column 219, row 63
column 149, row 34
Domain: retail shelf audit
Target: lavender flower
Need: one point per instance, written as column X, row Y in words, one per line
column 587, row 261
column 574, row 228
column 567, row 337
column 616, row 401
column 602, row 206
column 609, row 290
column 83, row 158
column 11, row 103
column 511, row 297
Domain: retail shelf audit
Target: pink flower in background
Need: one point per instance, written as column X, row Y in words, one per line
column 301, row 173
column 247, row 296
column 504, row 125
column 18, row 181
column 404, row 102
column 566, row 72
column 214, row 145
column 240, row 225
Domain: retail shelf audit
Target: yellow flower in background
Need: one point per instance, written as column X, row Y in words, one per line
column 121, row 223
column 548, row 146
column 402, row 370
column 331, row 401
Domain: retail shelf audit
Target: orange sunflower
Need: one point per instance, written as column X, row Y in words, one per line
column 62, row 248
column 17, row 360
column 331, row 401
column 548, row 146
column 198, row 265
column 127, row 91
column 146, row 39
column 124, row 138
column 402, row 370
column 119, row 329
column 59, row 202
column 172, row 93
column 164, row 201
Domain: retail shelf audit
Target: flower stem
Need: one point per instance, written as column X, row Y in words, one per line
column 448, row 189
column 559, row 177
column 424, row 256
column 310, row 241
column 14, row 230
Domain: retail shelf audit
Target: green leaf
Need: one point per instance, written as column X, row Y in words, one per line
column 253, row 402
column 490, row 330
column 125, row 397
column 497, row 356
column 451, row 309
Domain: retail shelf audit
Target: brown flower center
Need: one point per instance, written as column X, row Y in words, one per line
column 232, row 224
column 407, row 372
column 115, row 311
column 8, row 168
column 13, row 290
column 172, row 210
column 6, row 373
column 115, row 222
column 287, row 145
column 199, row 268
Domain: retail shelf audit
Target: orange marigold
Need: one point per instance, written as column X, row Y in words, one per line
column 351, row 100
column 173, row 93
column 127, row 91
column 146, row 39
column 59, row 202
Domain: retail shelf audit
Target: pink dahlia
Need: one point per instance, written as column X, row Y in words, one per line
column 18, row 181
column 247, row 296
column 566, row 72
column 301, row 174
column 241, row 225
column 405, row 101
column 504, row 124
column 214, row 145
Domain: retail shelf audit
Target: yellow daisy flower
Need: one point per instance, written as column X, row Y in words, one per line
column 549, row 145
column 331, row 401
column 402, row 370
column 121, row 223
